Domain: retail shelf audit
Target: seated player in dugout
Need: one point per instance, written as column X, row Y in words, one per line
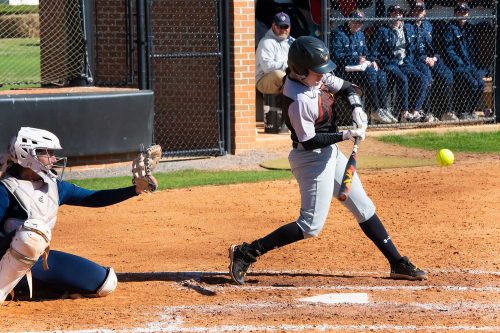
column 30, row 195
column 460, row 53
column 430, row 63
column 318, row 164
column 350, row 52
column 390, row 48
column 272, row 54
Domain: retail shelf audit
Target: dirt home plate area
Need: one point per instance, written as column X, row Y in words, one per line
column 170, row 253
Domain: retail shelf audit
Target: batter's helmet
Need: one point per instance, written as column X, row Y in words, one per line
column 309, row 53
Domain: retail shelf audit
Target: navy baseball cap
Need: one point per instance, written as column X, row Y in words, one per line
column 418, row 7
column 461, row 8
column 281, row 19
column 395, row 9
column 357, row 14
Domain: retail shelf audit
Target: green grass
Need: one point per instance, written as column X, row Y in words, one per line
column 6, row 9
column 188, row 178
column 19, row 60
column 475, row 142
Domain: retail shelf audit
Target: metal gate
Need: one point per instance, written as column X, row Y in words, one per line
column 189, row 75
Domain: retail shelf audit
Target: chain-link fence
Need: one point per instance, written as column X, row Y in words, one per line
column 188, row 68
column 41, row 44
column 418, row 64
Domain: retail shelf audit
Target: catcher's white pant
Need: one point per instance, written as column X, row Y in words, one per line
column 319, row 173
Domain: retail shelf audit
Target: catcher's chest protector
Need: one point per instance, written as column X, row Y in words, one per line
column 39, row 200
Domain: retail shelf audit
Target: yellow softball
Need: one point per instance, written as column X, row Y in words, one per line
column 445, row 157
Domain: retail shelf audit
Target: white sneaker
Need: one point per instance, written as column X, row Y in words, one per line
column 417, row 116
column 388, row 115
column 449, row 116
column 429, row 118
column 406, row 117
column 468, row 116
column 379, row 118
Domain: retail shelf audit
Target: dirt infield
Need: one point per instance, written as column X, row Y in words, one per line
column 170, row 252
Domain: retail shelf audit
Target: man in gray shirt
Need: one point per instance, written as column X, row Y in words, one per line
column 272, row 55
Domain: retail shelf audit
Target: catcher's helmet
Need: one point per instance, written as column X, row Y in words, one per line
column 309, row 53
column 29, row 142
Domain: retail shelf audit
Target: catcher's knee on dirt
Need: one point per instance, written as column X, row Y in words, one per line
column 109, row 284
column 29, row 243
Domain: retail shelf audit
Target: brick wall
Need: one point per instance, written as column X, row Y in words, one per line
column 242, row 36
column 111, row 41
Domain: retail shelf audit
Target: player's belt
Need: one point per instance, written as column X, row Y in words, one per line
column 298, row 146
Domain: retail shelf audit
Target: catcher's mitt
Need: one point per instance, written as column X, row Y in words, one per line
column 142, row 168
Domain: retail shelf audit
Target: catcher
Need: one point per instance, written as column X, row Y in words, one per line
column 30, row 195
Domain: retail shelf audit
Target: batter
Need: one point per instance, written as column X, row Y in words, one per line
column 317, row 163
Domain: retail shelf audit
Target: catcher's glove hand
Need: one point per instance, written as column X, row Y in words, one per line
column 142, row 168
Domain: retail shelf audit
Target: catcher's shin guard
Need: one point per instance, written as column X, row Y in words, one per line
column 25, row 249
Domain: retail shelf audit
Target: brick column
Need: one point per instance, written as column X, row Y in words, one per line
column 242, row 38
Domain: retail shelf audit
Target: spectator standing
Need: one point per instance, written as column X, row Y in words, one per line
column 389, row 49
column 429, row 62
column 272, row 55
column 350, row 52
column 458, row 37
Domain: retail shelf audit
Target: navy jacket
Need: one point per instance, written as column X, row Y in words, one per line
column 423, row 47
column 346, row 48
column 384, row 44
column 458, row 42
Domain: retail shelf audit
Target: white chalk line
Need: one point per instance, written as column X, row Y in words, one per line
column 357, row 287
column 198, row 274
column 380, row 273
column 448, row 307
column 172, row 320
column 175, row 327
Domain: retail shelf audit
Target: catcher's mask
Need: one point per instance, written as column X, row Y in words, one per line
column 34, row 148
column 309, row 53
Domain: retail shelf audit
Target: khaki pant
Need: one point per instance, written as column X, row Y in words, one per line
column 271, row 83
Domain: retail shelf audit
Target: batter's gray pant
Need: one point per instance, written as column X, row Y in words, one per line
column 319, row 173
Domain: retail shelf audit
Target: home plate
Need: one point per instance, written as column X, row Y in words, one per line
column 338, row 298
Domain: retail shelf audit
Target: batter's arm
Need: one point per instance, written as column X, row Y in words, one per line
column 321, row 140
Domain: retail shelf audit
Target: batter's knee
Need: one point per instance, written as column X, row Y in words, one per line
column 310, row 230
column 109, row 284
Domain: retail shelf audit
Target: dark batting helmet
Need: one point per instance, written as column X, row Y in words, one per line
column 309, row 53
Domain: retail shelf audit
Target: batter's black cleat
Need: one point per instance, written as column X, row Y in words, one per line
column 405, row 270
column 240, row 260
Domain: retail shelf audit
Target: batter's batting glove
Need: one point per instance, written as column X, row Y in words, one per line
column 359, row 119
column 142, row 168
column 353, row 134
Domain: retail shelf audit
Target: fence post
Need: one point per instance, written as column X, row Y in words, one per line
column 141, row 44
